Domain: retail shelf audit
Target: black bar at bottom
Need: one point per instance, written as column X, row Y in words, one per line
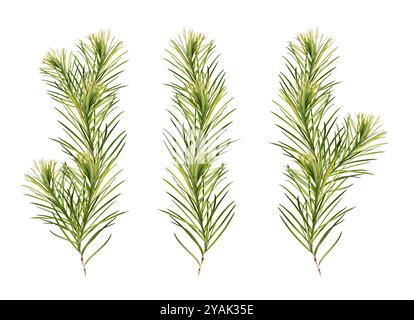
column 208, row 309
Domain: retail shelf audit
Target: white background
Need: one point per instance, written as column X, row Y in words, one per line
column 256, row 257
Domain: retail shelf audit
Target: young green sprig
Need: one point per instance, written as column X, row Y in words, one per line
column 199, row 117
column 325, row 154
column 77, row 197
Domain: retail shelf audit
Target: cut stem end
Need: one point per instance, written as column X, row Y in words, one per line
column 83, row 265
column 317, row 265
column 201, row 265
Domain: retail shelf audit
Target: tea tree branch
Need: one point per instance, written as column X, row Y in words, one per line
column 199, row 117
column 325, row 153
column 78, row 196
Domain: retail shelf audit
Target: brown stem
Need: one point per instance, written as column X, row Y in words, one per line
column 317, row 265
column 201, row 264
column 83, row 265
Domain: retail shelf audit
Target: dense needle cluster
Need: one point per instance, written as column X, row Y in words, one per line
column 199, row 119
column 77, row 196
column 325, row 152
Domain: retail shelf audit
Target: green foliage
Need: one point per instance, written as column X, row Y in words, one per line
column 199, row 118
column 325, row 152
column 77, row 198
